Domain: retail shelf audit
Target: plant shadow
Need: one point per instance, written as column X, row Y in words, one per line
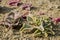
column 5, row 9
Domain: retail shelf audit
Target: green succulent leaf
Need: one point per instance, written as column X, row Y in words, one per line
column 41, row 27
column 29, row 19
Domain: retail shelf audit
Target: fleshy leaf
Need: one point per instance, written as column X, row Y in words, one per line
column 41, row 27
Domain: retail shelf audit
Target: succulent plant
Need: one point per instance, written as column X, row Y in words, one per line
column 26, row 21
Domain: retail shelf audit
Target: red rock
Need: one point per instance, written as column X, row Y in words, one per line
column 0, row 0
column 26, row 5
column 41, row 13
column 56, row 20
column 13, row 2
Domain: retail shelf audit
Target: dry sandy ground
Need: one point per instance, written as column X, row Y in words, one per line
column 51, row 7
